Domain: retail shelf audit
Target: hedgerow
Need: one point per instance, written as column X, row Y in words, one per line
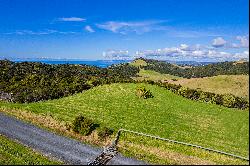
column 226, row 100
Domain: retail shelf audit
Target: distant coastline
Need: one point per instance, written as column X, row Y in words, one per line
column 98, row 63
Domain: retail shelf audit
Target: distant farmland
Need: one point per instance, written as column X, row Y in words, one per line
column 237, row 85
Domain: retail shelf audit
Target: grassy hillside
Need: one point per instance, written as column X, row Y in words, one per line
column 12, row 153
column 237, row 85
column 138, row 63
column 153, row 75
column 166, row 115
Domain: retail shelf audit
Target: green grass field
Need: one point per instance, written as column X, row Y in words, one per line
column 166, row 115
column 237, row 85
column 154, row 76
column 12, row 153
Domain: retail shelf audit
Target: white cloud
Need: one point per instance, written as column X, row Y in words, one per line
column 116, row 54
column 182, row 52
column 89, row 29
column 218, row 42
column 183, row 33
column 243, row 55
column 70, row 19
column 139, row 27
column 244, row 41
column 43, row 32
column 184, row 47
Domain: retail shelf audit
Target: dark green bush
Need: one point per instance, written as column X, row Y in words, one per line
column 182, row 91
column 229, row 100
column 104, row 132
column 217, row 99
column 83, row 125
column 143, row 93
column 241, row 103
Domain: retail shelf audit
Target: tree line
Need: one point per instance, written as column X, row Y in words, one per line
column 221, row 68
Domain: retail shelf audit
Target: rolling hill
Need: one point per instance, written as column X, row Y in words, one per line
column 166, row 115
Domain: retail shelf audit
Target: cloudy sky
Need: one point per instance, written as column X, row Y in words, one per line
column 207, row 30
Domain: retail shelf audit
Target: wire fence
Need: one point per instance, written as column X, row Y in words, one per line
column 115, row 142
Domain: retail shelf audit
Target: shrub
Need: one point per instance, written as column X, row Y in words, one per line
column 241, row 103
column 229, row 100
column 104, row 132
column 182, row 91
column 206, row 96
column 143, row 93
column 83, row 125
column 192, row 94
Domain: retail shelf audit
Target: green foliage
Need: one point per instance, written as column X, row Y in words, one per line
column 222, row 68
column 32, row 81
column 104, row 132
column 143, row 93
column 86, row 126
column 227, row 100
column 218, row 99
column 83, row 125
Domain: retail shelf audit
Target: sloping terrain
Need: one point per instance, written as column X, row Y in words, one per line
column 166, row 115
column 154, row 76
column 237, row 85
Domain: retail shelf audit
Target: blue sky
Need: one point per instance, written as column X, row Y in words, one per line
column 124, row 29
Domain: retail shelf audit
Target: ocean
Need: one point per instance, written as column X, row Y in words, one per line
column 103, row 63
column 98, row 63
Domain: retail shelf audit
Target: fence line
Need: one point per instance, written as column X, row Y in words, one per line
column 115, row 142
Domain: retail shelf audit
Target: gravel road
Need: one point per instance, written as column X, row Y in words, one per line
column 50, row 144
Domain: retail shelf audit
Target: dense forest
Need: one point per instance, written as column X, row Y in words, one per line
column 222, row 68
column 34, row 81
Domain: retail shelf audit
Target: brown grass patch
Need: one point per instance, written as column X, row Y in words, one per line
column 169, row 156
column 237, row 85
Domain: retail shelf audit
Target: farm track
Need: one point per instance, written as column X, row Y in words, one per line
column 65, row 149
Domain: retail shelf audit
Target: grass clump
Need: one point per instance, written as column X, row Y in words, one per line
column 83, row 125
column 86, row 126
column 142, row 92
column 104, row 132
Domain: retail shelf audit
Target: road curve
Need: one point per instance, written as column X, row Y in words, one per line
column 65, row 149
